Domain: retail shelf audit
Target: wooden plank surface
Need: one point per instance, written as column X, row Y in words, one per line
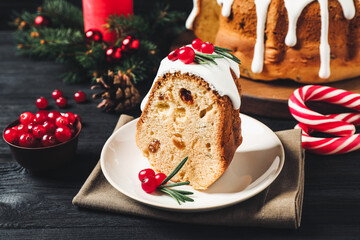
column 39, row 206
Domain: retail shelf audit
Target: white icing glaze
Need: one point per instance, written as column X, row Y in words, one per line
column 348, row 8
column 190, row 20
column 226, row 7
column 324, row 71
column 294, row 9
column 261, row 13
column 218, row 76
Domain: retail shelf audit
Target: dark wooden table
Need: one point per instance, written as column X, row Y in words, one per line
column 39, row 206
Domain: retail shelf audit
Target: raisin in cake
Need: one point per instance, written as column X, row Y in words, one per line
column 192, row 110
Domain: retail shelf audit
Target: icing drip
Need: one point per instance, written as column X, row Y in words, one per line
column 190, row 20
column 218, row 76
column 294, row 9
column 324, row 71
column 261, row 12
column 226, row 7
column 348, row 8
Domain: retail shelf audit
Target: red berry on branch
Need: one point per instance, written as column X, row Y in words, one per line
column 61, row 102
column 80, row 97
column 93, row 35
column 196, row 44
column 26, row 118
column 113, row 54
column 149, row 184
column 134, row 45
column 41, row 103
column 11, row 136
column 174, row 55
column 48, row 140
column 160, row 177
column 62, row 134
column 148, row 172
column 27, row 140
column 56, row 94
column 53, row 115
column 186, row 55
column 62, row 121
column 42, row 21
column 127, row 41
column 39, row 131
column 207, row 47
column 117, row 54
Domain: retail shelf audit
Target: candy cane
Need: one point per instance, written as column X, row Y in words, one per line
column 342, row 125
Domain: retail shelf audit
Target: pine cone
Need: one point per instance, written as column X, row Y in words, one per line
column 118, row 92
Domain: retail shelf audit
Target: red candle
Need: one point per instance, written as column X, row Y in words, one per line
column 97, row 11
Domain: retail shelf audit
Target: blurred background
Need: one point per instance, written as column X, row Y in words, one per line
column 8, row 6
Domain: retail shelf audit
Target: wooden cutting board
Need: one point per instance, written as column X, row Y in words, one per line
column 270, row 99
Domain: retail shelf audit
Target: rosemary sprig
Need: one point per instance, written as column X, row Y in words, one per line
column 178, row 195
column 203, row 58
column 175, row 171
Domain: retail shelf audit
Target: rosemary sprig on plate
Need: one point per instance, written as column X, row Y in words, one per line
column 178, row 195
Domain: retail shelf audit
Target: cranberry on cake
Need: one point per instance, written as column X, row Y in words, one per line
column 192, row 110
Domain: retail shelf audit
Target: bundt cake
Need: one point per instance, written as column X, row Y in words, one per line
column 304, row 40
column 192, row 110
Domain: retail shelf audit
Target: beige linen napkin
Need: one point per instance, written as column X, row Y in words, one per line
column 278, row 206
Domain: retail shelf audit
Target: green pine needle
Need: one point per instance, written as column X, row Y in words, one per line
column 175, row 171
column 178, row 195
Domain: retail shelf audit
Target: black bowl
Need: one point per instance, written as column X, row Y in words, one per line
column 45, row 158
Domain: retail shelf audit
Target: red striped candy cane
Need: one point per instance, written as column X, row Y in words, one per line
column 342, row 125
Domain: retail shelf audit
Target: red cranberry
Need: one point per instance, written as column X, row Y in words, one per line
column 174, row 55
column 30, row 127
column 62, row 134
column 149, row 184
column 41, row 103
column 186, row 55
column 56, row 94
column 11, row 136
column 48, row 140
column 26, row 118
column 53, row 115
column 49, row 126
column 80, row 97
column 39, row 131
column 27, row 140
column 196, row 44
column 41, row 117
column 160, row 177
column 148, row 172
column 207, row 47
column 22, row 128
column 61, row 102
column 62, row 121
column 70, row 116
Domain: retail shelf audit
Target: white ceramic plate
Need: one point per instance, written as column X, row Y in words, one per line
column 256, row 164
